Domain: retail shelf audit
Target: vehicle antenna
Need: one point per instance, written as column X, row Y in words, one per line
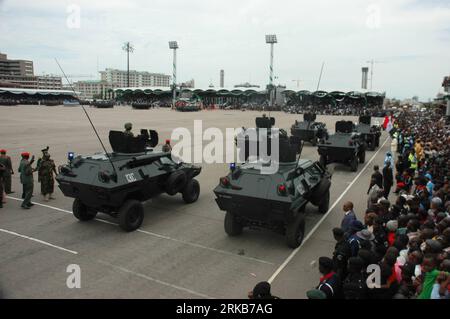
column 309, row 122
column 90, row 121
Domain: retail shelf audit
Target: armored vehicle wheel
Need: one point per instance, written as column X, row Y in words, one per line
column 176, row 182
column 191, row 191
column 82, row 212
column 325, row 203
column 232, row 226
column 131, row 215
column 314, row 141
column 323, row 160
column 354, row 164
column 295, row 232
column 362, row 157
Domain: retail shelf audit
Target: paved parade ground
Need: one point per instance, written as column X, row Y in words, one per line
column 180, row 251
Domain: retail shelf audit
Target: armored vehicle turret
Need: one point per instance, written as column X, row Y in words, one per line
column 117, row 183
column 370, row 133
column 344, row 146
column 309, row 130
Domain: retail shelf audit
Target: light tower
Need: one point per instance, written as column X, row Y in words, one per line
column 271, row 39
column 173, row 45
column 128, row 47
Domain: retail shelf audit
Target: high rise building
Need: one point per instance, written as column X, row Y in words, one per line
column 137, row 79
column 15, row 67
column 20, row 74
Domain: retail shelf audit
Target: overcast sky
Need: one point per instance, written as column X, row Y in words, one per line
column 409, row 38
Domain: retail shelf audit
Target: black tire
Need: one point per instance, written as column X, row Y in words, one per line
column 232, row 226
column 325, row 203
column 295, row 231
column 176, row 182
column 362, row 157
column 323, row 160
column 82, row 212
column 314, row 141
column 131, row 215
column 354, row 164
column 191, row 191
column 320, row 191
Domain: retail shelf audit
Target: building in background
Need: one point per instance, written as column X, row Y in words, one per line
column 15, row 67
column 119, row 78
column 222, row 78
column 446, row 84
column 188, row 84
column 20, row 74
column 246, row 85
column 365, row 72
column 94, row 89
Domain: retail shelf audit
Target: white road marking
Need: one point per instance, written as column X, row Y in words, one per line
column 154, row 280
column 38, row 241
column 224, row 252
column 292, row 255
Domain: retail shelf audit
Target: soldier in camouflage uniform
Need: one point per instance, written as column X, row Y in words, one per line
column 5, row 160
column 46, row 178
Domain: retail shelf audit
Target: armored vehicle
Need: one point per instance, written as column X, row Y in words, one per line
column 274, row 201
column 141, row 105
column 370, row 133
column 309, row 130
column 117, row 183
column 103, row 104
column 345, row 146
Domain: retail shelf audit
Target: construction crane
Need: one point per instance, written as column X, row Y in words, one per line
column 372, row 62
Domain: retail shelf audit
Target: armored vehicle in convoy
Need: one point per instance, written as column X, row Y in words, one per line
column 251, row 197
column 308, row 130
column 117, row 183
column 344, row 146
column 370, row 133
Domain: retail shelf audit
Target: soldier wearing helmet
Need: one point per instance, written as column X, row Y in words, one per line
column 128, row 128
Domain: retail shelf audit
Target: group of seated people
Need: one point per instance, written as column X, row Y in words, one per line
column 407, row 239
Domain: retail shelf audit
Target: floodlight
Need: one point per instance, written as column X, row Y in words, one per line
column 271, row 38
column 173, row 45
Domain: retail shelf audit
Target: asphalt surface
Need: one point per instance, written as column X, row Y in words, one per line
column 181, row 251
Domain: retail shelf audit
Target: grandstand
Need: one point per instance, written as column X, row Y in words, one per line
column 16, row 96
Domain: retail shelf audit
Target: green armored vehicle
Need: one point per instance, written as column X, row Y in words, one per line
column 117, row 183
column 276, row 200
column 309, row 130
column 370, row 133
column 345, row 146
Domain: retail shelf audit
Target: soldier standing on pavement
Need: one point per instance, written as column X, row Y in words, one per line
column 26, row 178
column 45, row 172
column 5, row 160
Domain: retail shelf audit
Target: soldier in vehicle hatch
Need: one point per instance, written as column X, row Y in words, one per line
column 128, row 128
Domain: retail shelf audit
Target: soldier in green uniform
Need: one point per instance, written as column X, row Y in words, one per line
column 38, row 164
column 6, row 161
column 26, row 178
column 46, row 178
column 128, row 128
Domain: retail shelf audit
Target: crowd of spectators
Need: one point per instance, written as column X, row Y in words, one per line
column 340, row 109
column 404, row 235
